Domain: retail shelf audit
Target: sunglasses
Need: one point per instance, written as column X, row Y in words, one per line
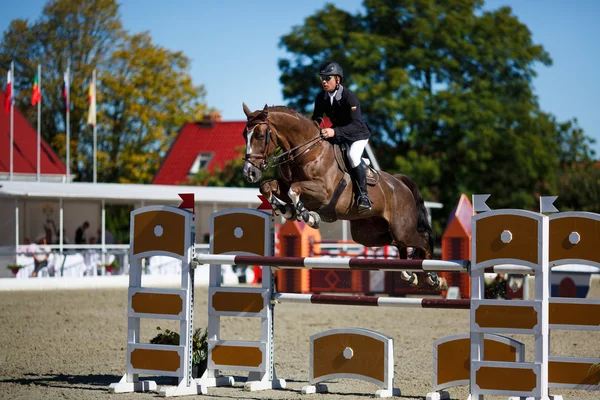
column 326, row 78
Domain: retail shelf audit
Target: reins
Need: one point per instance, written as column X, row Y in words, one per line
column 277, row 160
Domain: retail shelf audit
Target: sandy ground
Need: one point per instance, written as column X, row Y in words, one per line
column 71, row 345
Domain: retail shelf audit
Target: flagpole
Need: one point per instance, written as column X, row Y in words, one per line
column 95, row 93
column 12, row 118
column 39, row 138
column 68, row 130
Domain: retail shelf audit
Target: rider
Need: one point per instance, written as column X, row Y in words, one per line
column 343, row 109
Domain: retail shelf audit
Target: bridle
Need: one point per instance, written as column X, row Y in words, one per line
column 277, row 160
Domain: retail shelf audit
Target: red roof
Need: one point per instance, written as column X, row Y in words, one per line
column 25, row 147
column 220, row 139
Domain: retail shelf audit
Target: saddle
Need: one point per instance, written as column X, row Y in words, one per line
column 340, row 151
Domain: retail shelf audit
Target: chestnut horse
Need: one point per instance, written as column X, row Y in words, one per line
column 314, row 186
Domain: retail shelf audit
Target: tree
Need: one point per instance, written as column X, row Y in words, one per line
column 144, row 91
column 147, row 96
column 446, row 89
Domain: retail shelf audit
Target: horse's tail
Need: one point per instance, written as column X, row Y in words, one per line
column 423, row 225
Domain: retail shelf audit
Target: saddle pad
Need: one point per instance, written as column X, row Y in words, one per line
column 342, row 160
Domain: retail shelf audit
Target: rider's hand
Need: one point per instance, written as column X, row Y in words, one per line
column 327, row 133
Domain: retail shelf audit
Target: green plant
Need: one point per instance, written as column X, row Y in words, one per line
column 13, row 267
column 199, row 342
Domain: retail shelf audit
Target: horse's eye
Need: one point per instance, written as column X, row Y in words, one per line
column 260, row 136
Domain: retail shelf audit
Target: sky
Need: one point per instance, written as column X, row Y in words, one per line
column 234, row 47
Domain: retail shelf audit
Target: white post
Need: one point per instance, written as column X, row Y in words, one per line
column 95, row 130
column 12, row 118
column 16, row 228
column 68, row 127
column 103, row 233
column 39, row 121
column 60, row 226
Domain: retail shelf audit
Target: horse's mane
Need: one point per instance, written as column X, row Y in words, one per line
column 290, row 111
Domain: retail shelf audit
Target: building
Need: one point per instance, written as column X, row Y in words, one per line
column 25, row 168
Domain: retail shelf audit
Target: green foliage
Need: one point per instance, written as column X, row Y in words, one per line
column 199, row 342
column 446, row 90
column 117, row 221
column 144, row 91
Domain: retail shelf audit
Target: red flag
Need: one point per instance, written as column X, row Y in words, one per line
column 8, row 97
column 264, row 203
column 188, row 201
column 36, row 95
column 65, row 90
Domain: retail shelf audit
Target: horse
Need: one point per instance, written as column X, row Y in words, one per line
column 313, row 185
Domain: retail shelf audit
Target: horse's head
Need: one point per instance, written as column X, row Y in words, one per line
column 260, row 142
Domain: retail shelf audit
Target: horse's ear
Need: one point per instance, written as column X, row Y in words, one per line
column 246, row 110
column 266, row 109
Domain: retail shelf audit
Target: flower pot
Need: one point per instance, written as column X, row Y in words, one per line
column 15, row 271
column 198, row 369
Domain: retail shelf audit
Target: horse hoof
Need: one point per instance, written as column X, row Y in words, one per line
column 304, row 215
column 411, row 278
column 314, row 220
column 436, row 282
column 442, row 284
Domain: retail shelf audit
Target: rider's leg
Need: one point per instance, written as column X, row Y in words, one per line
column 359, row 174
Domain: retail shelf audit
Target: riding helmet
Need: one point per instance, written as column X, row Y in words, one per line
column 331, row 68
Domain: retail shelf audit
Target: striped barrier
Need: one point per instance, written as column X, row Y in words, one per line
column 336, row 263
column 373, row 301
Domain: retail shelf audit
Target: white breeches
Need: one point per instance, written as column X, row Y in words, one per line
column 355, row 152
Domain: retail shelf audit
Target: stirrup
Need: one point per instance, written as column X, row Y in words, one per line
column 363, row 203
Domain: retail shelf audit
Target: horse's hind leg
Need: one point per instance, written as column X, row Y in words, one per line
column 431, row 278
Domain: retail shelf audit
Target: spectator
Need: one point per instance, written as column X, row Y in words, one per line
column 80, row 233
column 51, row 232
column 108, row 237
column 40, row 256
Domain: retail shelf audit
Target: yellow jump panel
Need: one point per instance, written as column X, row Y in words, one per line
column 454, row 358
column 512, row 317
column 573, row 373
column 156, row 303
column 170, row 226
column 239, row 233
column 239, row 356
column 238, row 302
column 574, row 314
column 511, row 379
column 368, row 358
column 523, row 246
column 587, row 248
column 155, row 360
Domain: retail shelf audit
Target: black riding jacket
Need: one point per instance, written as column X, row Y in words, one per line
column 344, row 114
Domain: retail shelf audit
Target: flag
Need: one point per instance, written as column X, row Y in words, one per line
column 92, row 101
column 8, row 96
column 36, row 95
column 65, row 90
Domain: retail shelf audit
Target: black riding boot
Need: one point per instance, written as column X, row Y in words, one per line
column 360, row 179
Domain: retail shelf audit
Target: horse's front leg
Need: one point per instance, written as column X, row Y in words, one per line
column 314, row 189
column 272, row 190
